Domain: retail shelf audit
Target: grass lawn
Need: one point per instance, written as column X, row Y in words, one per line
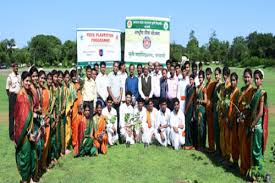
column 134, row 164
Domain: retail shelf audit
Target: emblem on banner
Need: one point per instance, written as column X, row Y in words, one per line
column 146, row 42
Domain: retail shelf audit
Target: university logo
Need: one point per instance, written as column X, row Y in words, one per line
column 146, row 42
column 129, row 23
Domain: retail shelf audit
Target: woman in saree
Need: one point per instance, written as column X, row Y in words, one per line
column 201, row 100
column 86, row 136
column 245, row 121
column 190, row 114
column 214, row 101
column 259, row 121
column 25, row 155
column 210, row 85
column 231, row 119
column 100, row 134
column 70, row 94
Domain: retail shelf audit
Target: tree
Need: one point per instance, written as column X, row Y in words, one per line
column 239, row 50
column 176, row 51
column 192, row 48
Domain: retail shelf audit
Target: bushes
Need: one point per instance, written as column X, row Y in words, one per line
column 252, row 62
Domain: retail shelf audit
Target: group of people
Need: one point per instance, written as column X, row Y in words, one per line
column 178, row 105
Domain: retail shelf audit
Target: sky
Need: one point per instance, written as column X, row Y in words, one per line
column 23, row 19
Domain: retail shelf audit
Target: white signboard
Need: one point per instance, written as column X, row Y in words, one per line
column 147, row 39
column 95, row 45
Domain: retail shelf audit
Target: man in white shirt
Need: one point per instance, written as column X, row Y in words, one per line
column 12, row 88
column 89, row 91
column 140, row 119
column 156, row 84
column 182, row 88
column 145, row 85
column 148, row 128
column 162, row 129
column 126, row 114
column 177, row 122
column 195, row 72
column 123, row 76
column 111, row 115
column 102, row 84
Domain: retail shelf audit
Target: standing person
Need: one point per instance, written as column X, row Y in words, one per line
column 126, row 112
column 162, row 126
column 172, row 84
column 189, row 114
column 233, row 142
column 163, row 85
column 89, row 91
column 62, row 116
column 131, row 83
column 181, row 94
column 156, row 84
column 177, row 122
column 25, row 154
column 245, row 121
column 215, row 99
column 99, row 127
column 102, row 84
column 168, row 65
column 123, row 76
column 200, row 66
column 12, row 88
column 187, row 68
column 145, row 85
column 111, row 117
column 195, row 73
column 86, row 136
column 115, row 90
column 201, row 100
column 209, row 87
column 139, row 70
column 151, row 68
column 96, row 67
column 259, row 125
column 178, row 72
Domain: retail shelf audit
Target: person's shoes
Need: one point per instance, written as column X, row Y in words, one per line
column 127, row 144
column 146, row 145
column 188, row 147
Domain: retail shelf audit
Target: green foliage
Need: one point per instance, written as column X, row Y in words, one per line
column 273, row 153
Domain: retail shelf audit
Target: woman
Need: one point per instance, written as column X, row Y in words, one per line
column 231, row 119
column 245, row 121
column 100, row 134
column 25, row 154
column 86, row 136
column 259, row 120
column 62, row 119
column 189, row 113
column 200, row 112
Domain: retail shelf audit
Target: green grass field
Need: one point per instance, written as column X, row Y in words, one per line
column 135, row 164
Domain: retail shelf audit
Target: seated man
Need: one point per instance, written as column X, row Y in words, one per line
column 100, row 134
column 148, row 126
column 162, row 129
column 111, row 118
column 126, row 112
column 177, row 122
column 139, row 119
column 86, row 138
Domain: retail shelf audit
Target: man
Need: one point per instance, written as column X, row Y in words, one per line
column 151, row 68
column 12, row 88
column 181, row 94
column 115, row 89
column 187, row 67
column 126, row 112
column 145, row 85
column 163, row 85
column 89, row 88
column 111, row 117
column 195, row 73
column 96, row 67
column 200, row 66
column 102, row 84
column 139, row 70
column 172, row 84
column 131, row 83
column 139, row 119
column 156, row 84
column 162, row 129
column 168, row 65
column 178, row 72
column 177, row 122
column 151, row 121
column 123, row 76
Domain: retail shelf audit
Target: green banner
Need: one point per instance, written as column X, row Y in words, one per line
column 147, row 24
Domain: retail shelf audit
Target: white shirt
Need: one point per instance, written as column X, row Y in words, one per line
column 109, row 114
column 13, row 82
column 163, row 118
column 124, row 109
column 182, row 87
column 101, row 85
column 197, row 82
column 177, row 119
column 89, row 90
column 156, row 83
column 123, row 77
column 115, row 84
column 142, row 115
column 154, row 116
column 140, row 86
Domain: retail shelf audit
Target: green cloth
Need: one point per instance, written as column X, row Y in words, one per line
column 87, row 144
column 201, row 121
column 189, row 121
